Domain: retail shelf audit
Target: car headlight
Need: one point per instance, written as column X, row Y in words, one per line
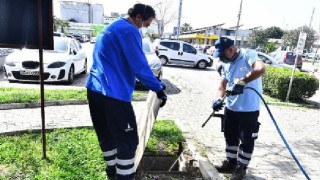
column 155, row 66
column 10, row 63
column 56, row 64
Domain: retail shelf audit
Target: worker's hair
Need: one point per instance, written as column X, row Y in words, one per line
column 144, row 10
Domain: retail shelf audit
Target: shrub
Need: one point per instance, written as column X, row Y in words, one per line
column 276, row 84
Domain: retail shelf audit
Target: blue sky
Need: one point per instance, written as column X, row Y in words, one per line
column 286, row 14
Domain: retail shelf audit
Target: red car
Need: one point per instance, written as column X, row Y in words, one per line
column 288, row 57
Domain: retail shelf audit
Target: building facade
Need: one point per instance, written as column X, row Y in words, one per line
column 80, row 12
column 208, row 35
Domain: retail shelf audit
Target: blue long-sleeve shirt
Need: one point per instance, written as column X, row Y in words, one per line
column 118, row 59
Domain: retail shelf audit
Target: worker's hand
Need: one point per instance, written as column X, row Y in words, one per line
column 161, row 95
column 237, row 87
column 163, row 85
column 217, row 104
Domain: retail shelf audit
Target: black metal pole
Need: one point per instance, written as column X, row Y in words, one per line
column 43, row 131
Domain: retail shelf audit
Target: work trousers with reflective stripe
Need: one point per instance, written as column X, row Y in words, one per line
column 240, row 131
column 115, row 125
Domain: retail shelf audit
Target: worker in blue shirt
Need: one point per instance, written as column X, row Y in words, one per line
column 118, row 59
column 241, row 68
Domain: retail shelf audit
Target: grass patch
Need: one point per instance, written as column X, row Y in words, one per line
column 71, row 153
column 19, row 95
column 165, row 136
column 277, row 102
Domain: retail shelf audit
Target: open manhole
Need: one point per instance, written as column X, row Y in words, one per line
column 165, row 166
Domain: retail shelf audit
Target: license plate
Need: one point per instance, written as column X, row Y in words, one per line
column 32, row 73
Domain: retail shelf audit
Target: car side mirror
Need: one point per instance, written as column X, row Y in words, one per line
column 73, row 52
column 268, row 62
column 195, row 51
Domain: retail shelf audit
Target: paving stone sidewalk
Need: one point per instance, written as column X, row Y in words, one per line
column 189, row 105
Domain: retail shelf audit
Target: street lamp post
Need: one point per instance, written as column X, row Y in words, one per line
column 237, row 28
column 179, row 19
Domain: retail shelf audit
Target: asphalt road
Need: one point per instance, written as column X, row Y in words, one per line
column 190, row 94
column 81, row 79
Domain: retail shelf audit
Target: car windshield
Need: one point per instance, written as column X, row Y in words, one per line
column 290, row 55
column 146, row 47
column 60, row 45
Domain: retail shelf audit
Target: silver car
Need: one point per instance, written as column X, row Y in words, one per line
column 153, row 60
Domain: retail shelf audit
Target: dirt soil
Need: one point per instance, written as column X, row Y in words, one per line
column 188, row 165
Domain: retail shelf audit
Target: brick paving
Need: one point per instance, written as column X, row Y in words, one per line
column 191, row 92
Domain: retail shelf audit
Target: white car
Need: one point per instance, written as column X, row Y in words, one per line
column 182, row 53
column 59, row 65
column 153, row 60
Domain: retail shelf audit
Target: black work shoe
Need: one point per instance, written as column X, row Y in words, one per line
column 226, row 167
column 239, row 174
column 111, row 178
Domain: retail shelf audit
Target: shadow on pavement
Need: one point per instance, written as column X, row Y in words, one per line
column 170, row 87
column 191, row 68
column 79, row 81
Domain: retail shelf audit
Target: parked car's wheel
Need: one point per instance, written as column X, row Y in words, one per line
column 202, row 64
column 85, row 67
column 164, row 60
column 71, row 75
column 159, row 75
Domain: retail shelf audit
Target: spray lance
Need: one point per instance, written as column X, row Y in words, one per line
column 213, row 114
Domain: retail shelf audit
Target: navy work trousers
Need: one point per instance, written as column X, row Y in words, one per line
column 115, row 124
column 240, row 131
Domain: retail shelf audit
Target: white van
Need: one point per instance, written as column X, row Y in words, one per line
column 181, row 53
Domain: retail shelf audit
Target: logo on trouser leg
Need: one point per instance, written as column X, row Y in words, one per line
column 128, row 128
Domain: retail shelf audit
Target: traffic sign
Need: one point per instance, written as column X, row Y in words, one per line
column 301, row 42
column 175, row 31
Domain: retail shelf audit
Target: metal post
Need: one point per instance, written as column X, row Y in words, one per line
column 179, row 19
column 300, row 47
column 239, row 15
column 314, row 57
column 43, row 129
column 292, row 77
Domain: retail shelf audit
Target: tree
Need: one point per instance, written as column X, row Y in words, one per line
column 270, row 47
column 257, row 38
column 291, row 37
column 274, row 32
column 55, row 23
column 165, row 14
column 62, row 23
column 185, row 27
column 72, row 20
column 97, row 29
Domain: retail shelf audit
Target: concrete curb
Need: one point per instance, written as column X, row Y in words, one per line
column 313, row 104
column 207, row 170
column 37, row 104
column 39, row 130
column 51, row 103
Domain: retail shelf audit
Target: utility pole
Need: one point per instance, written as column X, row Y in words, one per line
column 315, row 53
column 313, row 10
column 239, row 15
column 179, row 19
